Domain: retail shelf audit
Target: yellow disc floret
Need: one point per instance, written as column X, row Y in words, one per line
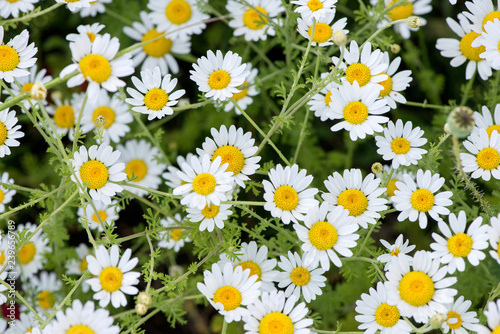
column 328, row 98
column 322, row 32
column 94, row 173
column 276, row 323
column 156, row 99
column 422, row 200
column 229, row 296
column 95, row 67
column 400, row 145
column 178, row 11
column 254, row 268
column 387, row 84
column 400, row 12
column 460, row 245
column 233, row 156
column 136, row 168
column 286, row 198
column 488, row 158
column 391, row 187
column 359, row 72
column 387, row 315
column 466, row 48
column 219, row 80
column 108, row 114
column 204, row 184
column 3, row 133
column 496, row 330
column 491, row 17
column 176, row 234
column 210, row 211
column 83, row 264
column 157, row 48
column 2, row 257
column 79, row 329
column 91, row 36
column 46, row 299
column 27, row 253
column 314, row 5
column 243, row 93
column 9, row 58
column 456, row 322
column 491, row 128
column 27, row 87
column 102, row 215
column 355, row 112
column 300, row 276
column 64, row 116
column 416, row 288
column 111, row 279
column 395, row 252
column 353, row 200
column 254, row 19
column 323, row 235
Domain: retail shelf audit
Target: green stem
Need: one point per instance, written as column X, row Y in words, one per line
column 31, row 15
column 151, row 249
column 140, row 234
column 301, row 136
column 424, row 105
column 224, row 327
column 468, row 87
column 244, row 203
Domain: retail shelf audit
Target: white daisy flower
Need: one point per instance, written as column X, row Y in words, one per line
column 490, row 40
column 9, row 131
column 414, row 200
column 327, row 233
column 89, row 30
column 248, row 90
column 219, row 76
column 95, row 167
column 173, row 238
column 206, row 182
column 494, row 237
column 74, row 5
column 105, row 216
column 492, row 314
column 251, row 19
column 486, row 121
column 376, row 314
column 25, row 323
column 96, row 7
column 395, row 175
column 395, row 82
column 273, row 311
column 8, row 8
column 177, row 17
column 16, row 56
column 96, row 64
column 286, row 194
column 64, row 114
column 314, row 8
column 480, row 13
column 6, row 194
column 400, row 249
column 112, row 276
column 484, row 161
column 27, row 83
column 154, row 96
column 229, row 290
column 46, row 289
column 141, row 165
column 299, row 278
column 458, row 244
column 30, row 258
column 82, row 318
column 255, row 259
column 462, row 50
column 458, row 320
column 3, row 325
column 361, row 197
column 320, row 103
column 421, row 291
column 359, row 108
column 323, row 31
column 171, row 178
column 79, row 265
column 159, row 52
column 210, row 216
column 401, row 143
column 410, row 8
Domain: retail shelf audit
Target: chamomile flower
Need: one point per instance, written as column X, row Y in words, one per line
column 361, row 197
column 46, row 289
column 490, row 40
column 219, row 76
column 106, row 214
column 16, row 56
column 27, row 83
column 458, row 320
column 96, row 7
column 251, row 20
column 486, row 121
column 320, row 103
column 359, row 109
column 323, row 29
column 95, row 167
column 480, row 13
column 30, row 258
column 82, row 318
column 171, row 178
column 375, row 313
column 484, row 161
column 395, row 82
column 229, row 290
column 410, row 8
column 327, row 233
column 177, row 17
column 89, row 30
column 159, row 52
column 309, row 9
column 74, row 5
column 492, row 313
column 415, row 200
column 255, row 259
column 154, row 96
column 141, row 165
column 248, row 90
column 461, row 50
column 299, row 278
column 5, row 194
column 272, row 312
column 395, row 175
column 173, row 238
column 458, row 244
column 13, row 8
column 419, row 291
column 494, row 237
column 113, row 278
column 24, row 325
column 9, row 131
column 96, row 63
column 400, row 143
column 286, row 194
column 77, row 266
column 210, row 216
column 398, row 250
column 64, row 114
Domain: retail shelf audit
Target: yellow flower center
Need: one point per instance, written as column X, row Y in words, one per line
column 314, row 5
column 83, row 264
column 400, row 12
column 91, row 36
column 254, row 268
column 322, row 33
column 395, row 252
column 457, row 320
column 422, row 200
column 387, row 315
column 488, row 158
column 229, row 296
column 95, row 67
column 491, row 17
column 359, row 72
column 416, row 288
column 178, row 11
column 12, row 1
column 219, row 79
column 2, row 196
column 2, row 257
column 300, row 276
column 136, row 168
column 460, row 245
column 391, row 187
column 353, row 200
column 204, row 184
column 276, row 323
column 111, row 279
column 94, row 173
column 176, row 234
column 79, row 329
column 492, row 128
column 102, row 214
column 157, row 48
column 156, row 99
column 232, row 156
column 64, row 117
column 254, row 19
column 286, row 198
column 27, row 253
column 496, row 330
column 27, row 87
column 323, row 235
column 328, row 98
column 355, row 112
column 46, row 299
column 210, row 211
column 3, row 133
column 387, row 84
column 9, row 58
column 108, row 114
column 242, row 94
column 467, row 50
column 400, row 145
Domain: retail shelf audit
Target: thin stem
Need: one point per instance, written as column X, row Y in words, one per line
column 140, row 234
column 224, row 326
column 151, row 249
column 301, row 136
column 32, row 15
column 424, row 105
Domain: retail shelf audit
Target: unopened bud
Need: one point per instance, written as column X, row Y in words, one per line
column 414, row 22
column 461, row 121
column 100, row 121
column 144, row 298
column 437, row 320
column 339, row 38
column 141, row 309
column 175, row 270
column 183, row 102
column 377, row 168
column 395, row 48
column 39, row 91
column 231, row 249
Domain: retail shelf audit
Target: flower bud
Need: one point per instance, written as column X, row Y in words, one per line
column 141, row 309
column 183, row 102
column 39, row 91
column 100, row 121
column 339, row 38
column 395, row 48
column 461, row 121
column 175, row 270
column 144, row 298
column 377, row 168
column 414, row 22
column 437, row 320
